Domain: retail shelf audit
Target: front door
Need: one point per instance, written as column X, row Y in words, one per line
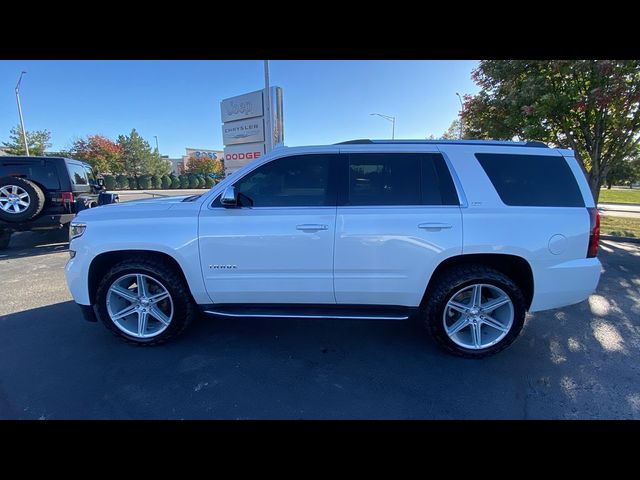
column 277, row 245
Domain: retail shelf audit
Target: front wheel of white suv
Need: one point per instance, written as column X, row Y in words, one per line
column 474, row 311
column 144, row 301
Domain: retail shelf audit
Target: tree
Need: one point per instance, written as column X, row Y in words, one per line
column 38, row 142
column 136, row 154
column 590, row 106
column 166, row 182
column 626, row 172
column 175, row 182
column 103, row 154
column 184, row 181
column 453, row 132
column 204, row 164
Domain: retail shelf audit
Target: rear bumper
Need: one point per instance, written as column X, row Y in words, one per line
column 565, row 283
column 43, row 222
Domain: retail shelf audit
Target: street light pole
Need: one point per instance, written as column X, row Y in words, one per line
column 393, row 123
column 24, row 133
column 461, row 112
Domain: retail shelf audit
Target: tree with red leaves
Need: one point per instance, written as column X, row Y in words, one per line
column 100, row 152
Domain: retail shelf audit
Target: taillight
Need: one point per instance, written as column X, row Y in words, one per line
column 66, row 197
column 594, row 232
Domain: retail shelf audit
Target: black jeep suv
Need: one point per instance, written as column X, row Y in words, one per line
column 42, row 193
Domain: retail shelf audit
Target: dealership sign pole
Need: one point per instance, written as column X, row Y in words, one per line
column 267, row 110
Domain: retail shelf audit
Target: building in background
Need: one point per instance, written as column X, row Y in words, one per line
column 178, row 165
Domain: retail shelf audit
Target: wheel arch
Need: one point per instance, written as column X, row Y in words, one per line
column 101, row 263
column 515, row 267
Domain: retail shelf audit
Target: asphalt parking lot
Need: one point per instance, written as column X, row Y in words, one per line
column 577, row 362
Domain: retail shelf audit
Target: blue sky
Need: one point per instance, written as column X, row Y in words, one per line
column 179, row 101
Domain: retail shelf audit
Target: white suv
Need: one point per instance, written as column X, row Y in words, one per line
column 463, row 236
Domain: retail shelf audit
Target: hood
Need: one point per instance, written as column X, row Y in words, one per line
column 152, row 201
column 132, row 208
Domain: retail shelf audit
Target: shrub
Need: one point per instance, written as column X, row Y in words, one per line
column 193, row 181
column 144, row 182
column 165, row 181
column 133, row 184
column 184, row 181
column 156, row 181
column 175, row 182
column 110, row 182
column 201, row 181
column 122, row 182
column 208, row 182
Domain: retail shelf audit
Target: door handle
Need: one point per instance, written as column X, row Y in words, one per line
column 311, row 227
column 434, row 226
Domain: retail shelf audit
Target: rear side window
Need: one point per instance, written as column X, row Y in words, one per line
column 532, row 180
column 77, row 174
column 399, row 179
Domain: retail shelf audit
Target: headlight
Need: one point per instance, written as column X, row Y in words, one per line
column 76, row 229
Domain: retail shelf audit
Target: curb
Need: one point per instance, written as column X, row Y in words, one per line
column 620, row 239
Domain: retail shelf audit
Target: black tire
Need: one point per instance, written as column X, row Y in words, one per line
column 36, row 200
column 452, row 281
column 5, row 238
column 184, row 306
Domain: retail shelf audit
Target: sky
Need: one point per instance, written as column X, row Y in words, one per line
column 179, row 101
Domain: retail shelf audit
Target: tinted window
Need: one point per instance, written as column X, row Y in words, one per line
column 532, row 180
column 399, row 179
column 43, row 173
column 77, row 174
column 297, row 181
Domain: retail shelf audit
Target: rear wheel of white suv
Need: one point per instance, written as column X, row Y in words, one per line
column 474, row 311
column 145, row 301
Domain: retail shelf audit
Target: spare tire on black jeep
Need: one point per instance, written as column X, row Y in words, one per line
column 20, row 199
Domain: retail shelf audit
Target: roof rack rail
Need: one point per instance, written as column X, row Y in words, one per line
column 501, row 143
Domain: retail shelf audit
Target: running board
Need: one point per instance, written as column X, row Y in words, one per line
column 343, row 312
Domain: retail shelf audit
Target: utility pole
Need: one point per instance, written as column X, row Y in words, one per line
column 268, row 134
column 461, row 112
column 24, row 133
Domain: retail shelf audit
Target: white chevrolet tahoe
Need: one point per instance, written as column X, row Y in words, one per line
column 462, row 236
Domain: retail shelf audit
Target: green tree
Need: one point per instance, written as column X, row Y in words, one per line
column 165, row 182
column 208, row 182
column 38, row 142
column 193, row 181
column 144, row 181
column 184, row 181
column 453, row 132
column 136, row 154
column 100, row 152
column 122, row 182
column 110, row 182
column 626, row 172
column 156, row 181
column 175, row 182
column 203, row 164
column 590, row 106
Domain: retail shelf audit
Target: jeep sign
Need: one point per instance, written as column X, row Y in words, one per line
column 242, row 107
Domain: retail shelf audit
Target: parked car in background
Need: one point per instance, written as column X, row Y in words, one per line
column 464, row 237
column 44, row 193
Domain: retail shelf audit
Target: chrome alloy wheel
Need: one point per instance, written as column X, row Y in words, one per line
column 478, row 316
column 14, row 199
column 139, row 305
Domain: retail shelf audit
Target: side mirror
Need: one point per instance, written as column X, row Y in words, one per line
column 229, row 197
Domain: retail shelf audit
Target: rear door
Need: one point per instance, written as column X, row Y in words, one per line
column 398, row 217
